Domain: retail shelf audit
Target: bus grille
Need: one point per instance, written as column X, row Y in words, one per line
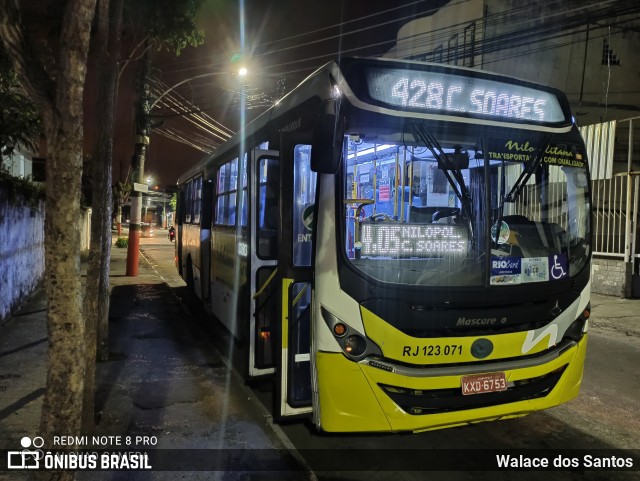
column 435, row 401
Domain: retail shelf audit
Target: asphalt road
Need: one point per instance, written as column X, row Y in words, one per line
column 603, row 417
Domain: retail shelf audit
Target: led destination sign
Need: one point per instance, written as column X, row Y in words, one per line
column 416, row 240
column 457, row 94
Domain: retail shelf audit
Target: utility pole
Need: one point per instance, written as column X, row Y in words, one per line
column 143, row 126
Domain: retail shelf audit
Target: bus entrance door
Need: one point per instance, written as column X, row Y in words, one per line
column 298, row 193
column 265, row 222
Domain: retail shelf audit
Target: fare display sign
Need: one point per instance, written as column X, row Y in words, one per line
column 455, row 94
column 381, row 239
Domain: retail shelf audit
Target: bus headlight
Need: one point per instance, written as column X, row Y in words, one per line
column 355, row 345
column 577, row 329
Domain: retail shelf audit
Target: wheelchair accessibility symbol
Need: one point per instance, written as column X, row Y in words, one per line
column 558, row 268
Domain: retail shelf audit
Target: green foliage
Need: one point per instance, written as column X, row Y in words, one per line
column 122, row 242
column 17, row 188
column 121, row 192
column 19, row 118
column 174, row 201
column 171, row 24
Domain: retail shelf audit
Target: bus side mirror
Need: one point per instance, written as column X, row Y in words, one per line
column 326, row 146
column 458, row 160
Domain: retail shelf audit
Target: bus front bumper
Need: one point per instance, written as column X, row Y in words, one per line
column 357, row 397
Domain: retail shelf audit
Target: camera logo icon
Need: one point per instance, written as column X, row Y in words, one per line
column 26, row 458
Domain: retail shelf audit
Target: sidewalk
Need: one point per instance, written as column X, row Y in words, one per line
column 164, row 379
column 615, row 315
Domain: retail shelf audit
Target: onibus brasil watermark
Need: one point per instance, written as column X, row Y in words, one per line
column 83, row 452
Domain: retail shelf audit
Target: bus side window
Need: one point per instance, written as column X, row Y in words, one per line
column 187, row 203
column 196, row 200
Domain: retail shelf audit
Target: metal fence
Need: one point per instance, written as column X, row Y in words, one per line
column 614, row 194
column 612, row 215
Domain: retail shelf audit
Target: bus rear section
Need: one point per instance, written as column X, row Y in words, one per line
column 193, row 234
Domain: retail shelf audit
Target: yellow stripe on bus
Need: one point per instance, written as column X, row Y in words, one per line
column 286, row 284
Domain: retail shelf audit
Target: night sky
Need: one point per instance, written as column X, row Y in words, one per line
column 284, row 41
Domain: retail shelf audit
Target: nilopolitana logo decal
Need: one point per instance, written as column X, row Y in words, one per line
column 307, row 222
column 307, row 217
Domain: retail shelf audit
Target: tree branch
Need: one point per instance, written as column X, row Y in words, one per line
column 34, row 79
column 73, row 53
column 132, row 58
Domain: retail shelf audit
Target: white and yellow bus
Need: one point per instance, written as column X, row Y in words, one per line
column 403, row 246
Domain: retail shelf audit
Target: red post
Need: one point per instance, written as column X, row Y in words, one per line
column 133, row 251
column 135, row 229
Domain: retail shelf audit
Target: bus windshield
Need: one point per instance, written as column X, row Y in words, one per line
column 504, row 209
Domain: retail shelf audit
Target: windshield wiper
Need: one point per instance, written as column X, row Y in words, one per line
column 501, row 202
column 460, row 189
column 527, row 172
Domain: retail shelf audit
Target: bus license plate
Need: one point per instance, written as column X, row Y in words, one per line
column 482, row 383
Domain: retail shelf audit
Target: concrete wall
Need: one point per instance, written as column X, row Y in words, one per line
column 611, row 277
column 21, row 250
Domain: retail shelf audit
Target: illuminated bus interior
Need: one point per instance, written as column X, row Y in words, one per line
column 427, row 214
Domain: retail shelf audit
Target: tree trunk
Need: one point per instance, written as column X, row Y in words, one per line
column 121, row 194
column 61, row 105
column 94, row 263
column 107, row 39
column 111, row 86
column 62, row 405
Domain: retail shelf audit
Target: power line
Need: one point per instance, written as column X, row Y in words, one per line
column 214, row 132
column 494, row 20
column 521, row 33
column 426, row 12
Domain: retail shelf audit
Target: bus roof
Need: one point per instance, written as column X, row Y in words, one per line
column 376, row 78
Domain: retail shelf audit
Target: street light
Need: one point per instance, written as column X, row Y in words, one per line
column 242, row 72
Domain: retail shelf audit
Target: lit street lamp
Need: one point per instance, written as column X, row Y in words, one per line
column 242, row 72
